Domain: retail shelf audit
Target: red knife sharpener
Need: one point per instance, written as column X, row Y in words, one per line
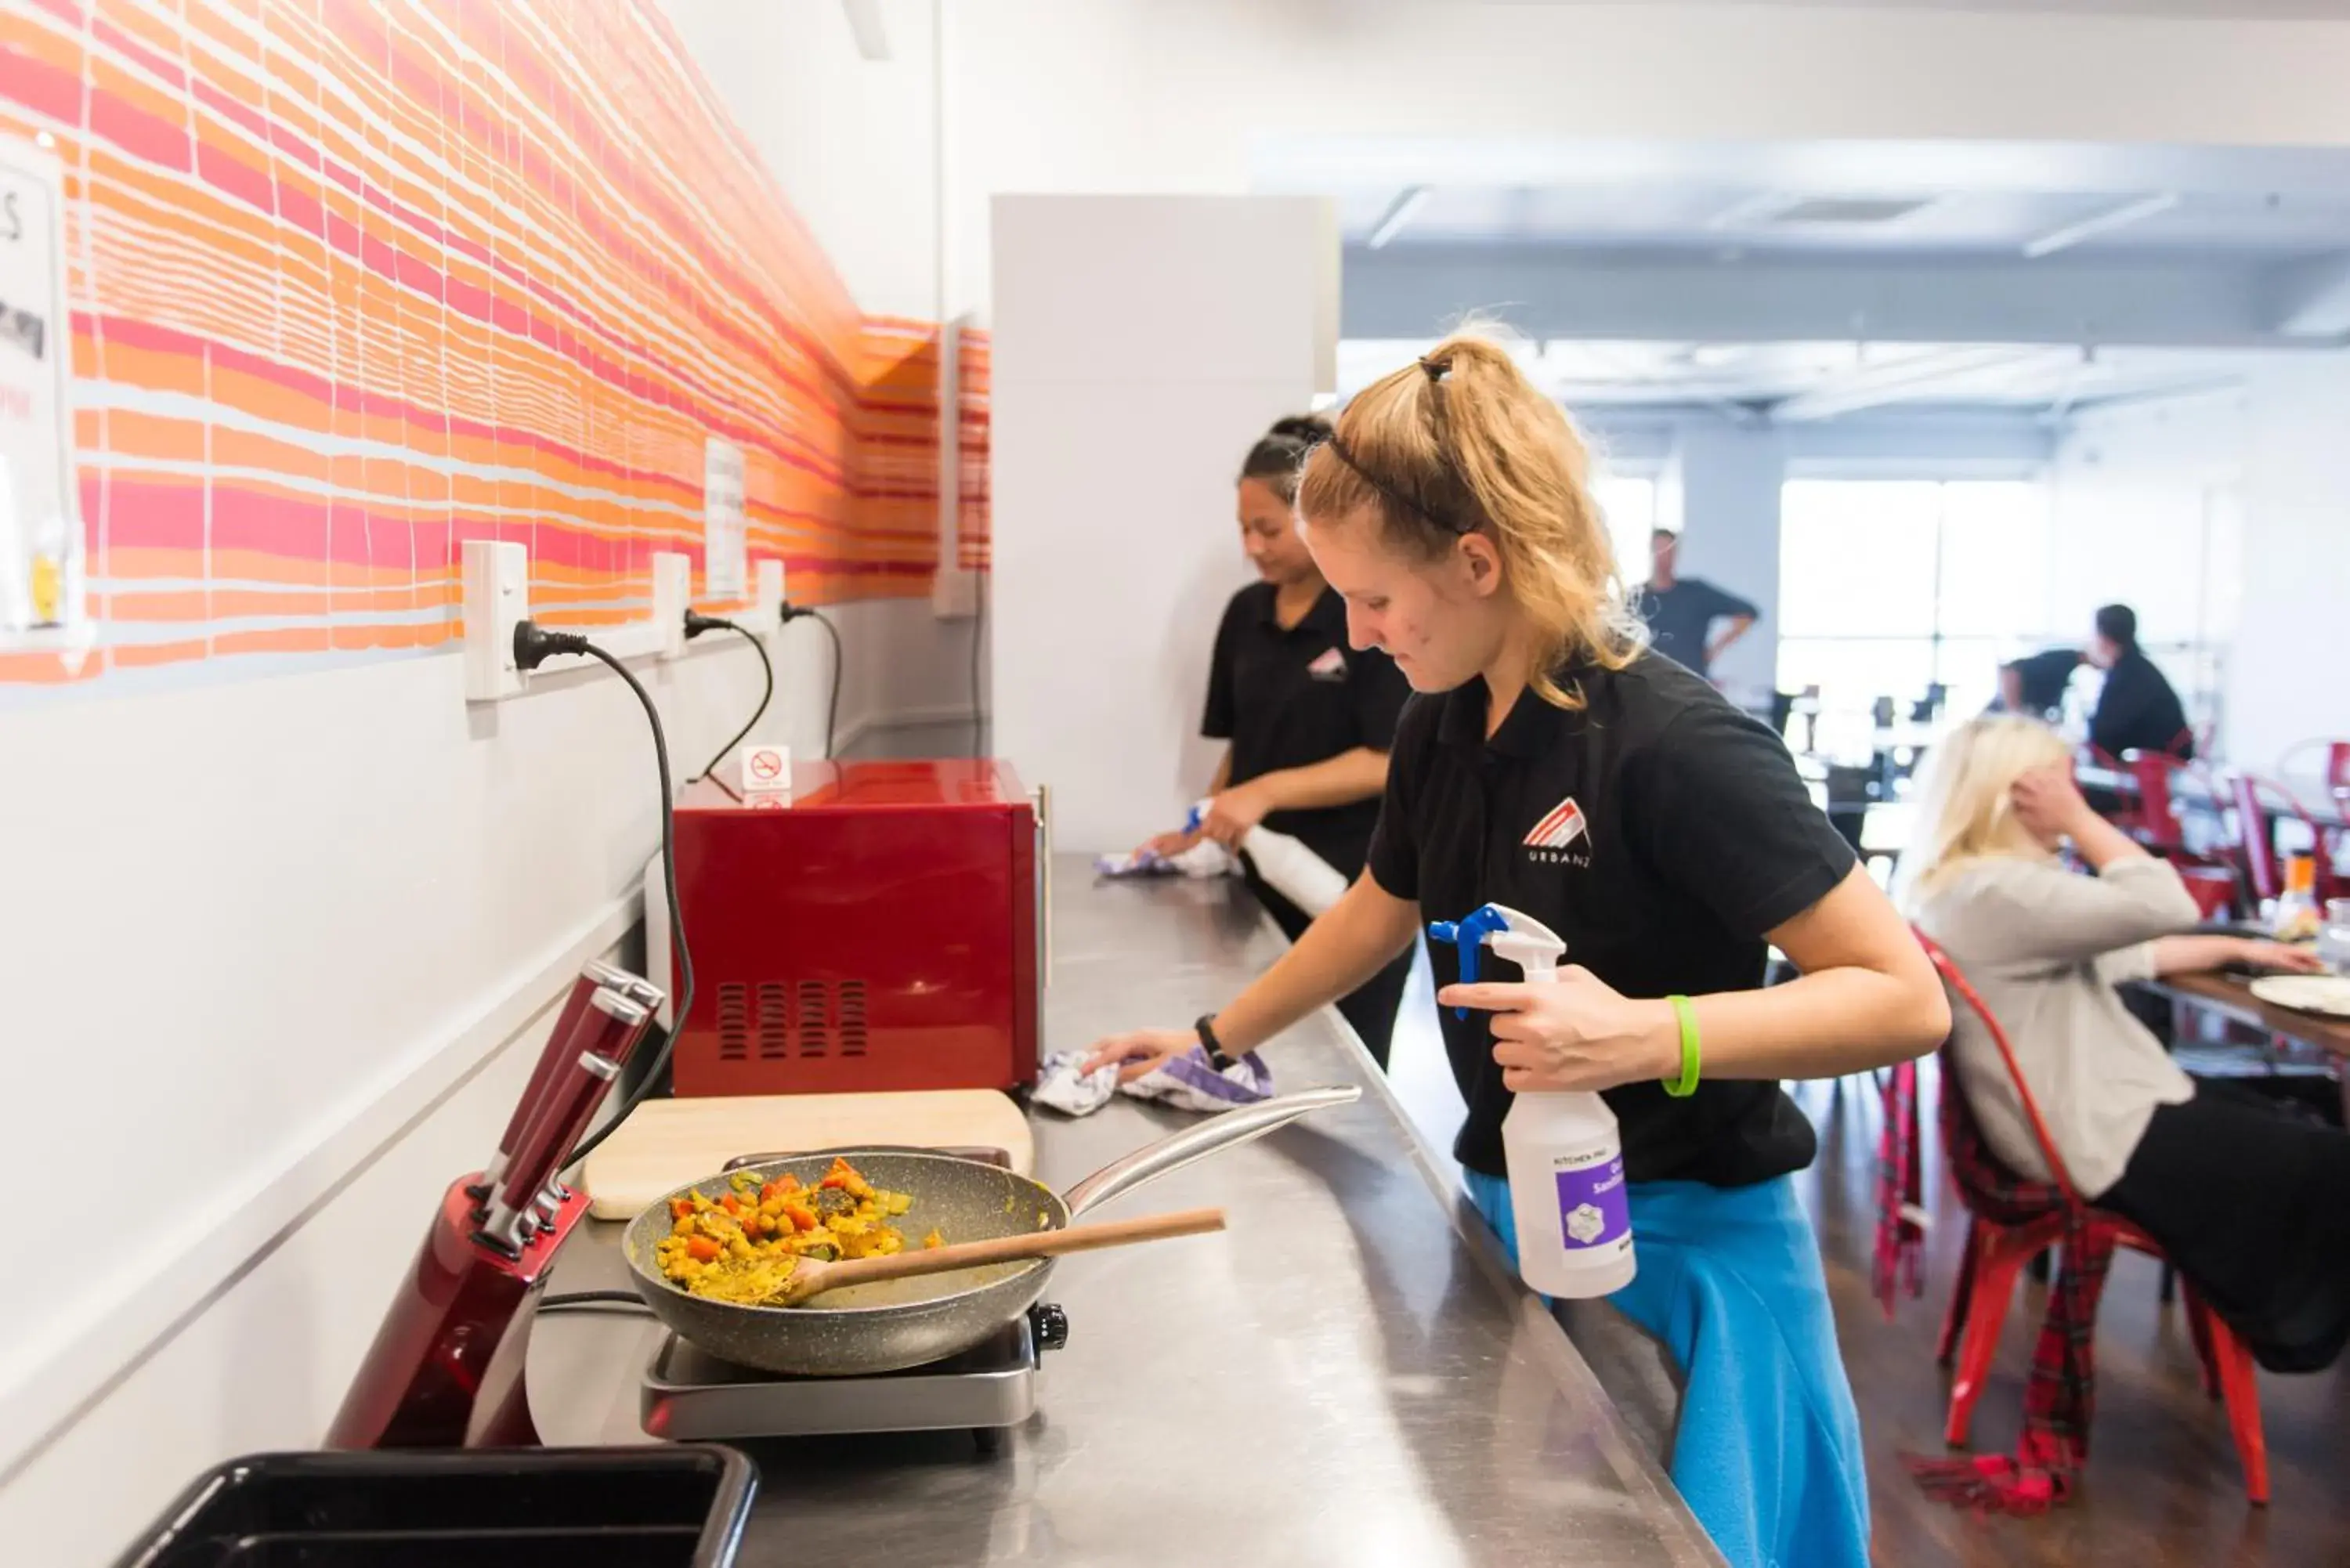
column 445, row 1368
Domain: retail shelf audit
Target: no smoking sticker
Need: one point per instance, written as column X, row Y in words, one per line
column 766, row 768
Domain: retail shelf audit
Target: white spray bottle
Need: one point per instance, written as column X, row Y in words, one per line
column 1565, row 1160
column 1287, row 865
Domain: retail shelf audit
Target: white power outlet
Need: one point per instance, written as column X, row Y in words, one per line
column 497, row 600
column 954, row 594
column 767, row 594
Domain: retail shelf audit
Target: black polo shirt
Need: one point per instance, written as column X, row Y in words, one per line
column 1660, row 832
column 1291, row 698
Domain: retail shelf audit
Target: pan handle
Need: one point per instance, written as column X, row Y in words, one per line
column 1227, row 1129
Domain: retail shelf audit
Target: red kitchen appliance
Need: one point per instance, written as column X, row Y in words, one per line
column 875, row 927
column 445, row 1368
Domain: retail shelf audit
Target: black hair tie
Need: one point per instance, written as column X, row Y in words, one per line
column 1436, row 368
column 1395, row 495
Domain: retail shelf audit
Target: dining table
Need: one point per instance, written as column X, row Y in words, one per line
column 2230, row 995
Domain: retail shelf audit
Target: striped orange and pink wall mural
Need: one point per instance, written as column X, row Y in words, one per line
column 353, row 282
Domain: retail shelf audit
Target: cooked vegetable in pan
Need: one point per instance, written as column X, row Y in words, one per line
column 741, row 1246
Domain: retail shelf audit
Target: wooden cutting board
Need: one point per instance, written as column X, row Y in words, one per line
column 665, row 1144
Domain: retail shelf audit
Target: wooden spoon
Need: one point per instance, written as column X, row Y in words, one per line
column 811, row 1276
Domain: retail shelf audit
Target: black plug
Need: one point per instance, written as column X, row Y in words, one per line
column 696, row 623
column 533, row 645
column 792, row 612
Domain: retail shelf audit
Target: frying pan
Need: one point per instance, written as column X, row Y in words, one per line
column 889, row 1326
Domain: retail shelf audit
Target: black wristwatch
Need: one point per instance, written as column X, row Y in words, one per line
column 1210, row 1044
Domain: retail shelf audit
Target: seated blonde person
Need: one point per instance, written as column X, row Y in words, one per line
column 2251, row 1203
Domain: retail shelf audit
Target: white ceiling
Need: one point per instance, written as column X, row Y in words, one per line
column 1794, row 381
column 1724, row 218
column 1964, row 199
column 1809, row 279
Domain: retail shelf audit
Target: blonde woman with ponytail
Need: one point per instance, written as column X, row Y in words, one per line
column 1550, row 762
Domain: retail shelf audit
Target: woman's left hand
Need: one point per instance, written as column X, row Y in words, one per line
column 1231, row 815
column 2280, row 955
column 1577, row 1032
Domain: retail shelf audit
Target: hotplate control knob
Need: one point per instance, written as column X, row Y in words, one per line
column 1050, row 1324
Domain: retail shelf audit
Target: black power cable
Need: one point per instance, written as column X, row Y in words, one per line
column 832, row 709
column 696, row 623
column 533, row 644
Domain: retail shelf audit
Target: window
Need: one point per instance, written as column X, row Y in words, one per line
column 1629, row 506
column 1886, row 586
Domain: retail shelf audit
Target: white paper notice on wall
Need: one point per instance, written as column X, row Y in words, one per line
column 721, row 520
column 41, row 567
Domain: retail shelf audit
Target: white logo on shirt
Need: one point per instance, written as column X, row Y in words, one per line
column 1330, row 665
column 1561, row 837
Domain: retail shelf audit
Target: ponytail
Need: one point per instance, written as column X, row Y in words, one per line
column 1461, row 443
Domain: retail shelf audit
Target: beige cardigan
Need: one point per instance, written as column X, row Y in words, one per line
column 2044, row 947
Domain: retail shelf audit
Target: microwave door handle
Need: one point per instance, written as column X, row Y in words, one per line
column 1041, row 797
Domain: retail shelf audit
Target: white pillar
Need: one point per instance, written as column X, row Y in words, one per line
column 1723, row 494
column 1141, row 344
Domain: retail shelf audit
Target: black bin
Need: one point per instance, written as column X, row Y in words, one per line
column 672, row 1507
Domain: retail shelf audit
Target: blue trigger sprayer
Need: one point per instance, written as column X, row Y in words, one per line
column 1565, row 1157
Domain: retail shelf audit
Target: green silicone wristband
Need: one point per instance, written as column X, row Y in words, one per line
column 1688, row 1016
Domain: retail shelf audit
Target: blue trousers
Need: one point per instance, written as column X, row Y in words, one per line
column 1768, row 1450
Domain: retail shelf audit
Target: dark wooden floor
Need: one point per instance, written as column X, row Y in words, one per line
column 2163, row 1487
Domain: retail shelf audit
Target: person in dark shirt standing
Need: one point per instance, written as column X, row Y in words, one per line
column 1309, row 719
column 2138, row 710
column 1680, row 612
column 1550, row 762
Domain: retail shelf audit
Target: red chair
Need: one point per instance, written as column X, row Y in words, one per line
column 1996, row 1254
column 2158, row 824
column 2257, row 840
column 2154, row 820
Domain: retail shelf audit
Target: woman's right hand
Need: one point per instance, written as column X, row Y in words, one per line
column 1168, row 846
column 1140, row 1052
column 2048, row 803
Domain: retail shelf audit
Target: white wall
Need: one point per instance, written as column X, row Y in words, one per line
column 264, row 1364
column 1141, row 344
column 2282, row 686
column 2146, row 510
column 2233, row 507
column 852, row 142
column 278, row 944
column 1723, row 495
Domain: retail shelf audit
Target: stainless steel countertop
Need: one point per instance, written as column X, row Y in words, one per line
column 1351, row 1376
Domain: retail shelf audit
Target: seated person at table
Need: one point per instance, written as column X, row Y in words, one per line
column 2137, row 711
column 2251, row 1203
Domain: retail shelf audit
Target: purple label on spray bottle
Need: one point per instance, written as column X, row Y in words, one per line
column 1594, row 1206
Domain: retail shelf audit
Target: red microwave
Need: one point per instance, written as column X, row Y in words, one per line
column 875, row 927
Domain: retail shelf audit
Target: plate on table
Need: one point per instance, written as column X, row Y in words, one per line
column 2326, row 993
